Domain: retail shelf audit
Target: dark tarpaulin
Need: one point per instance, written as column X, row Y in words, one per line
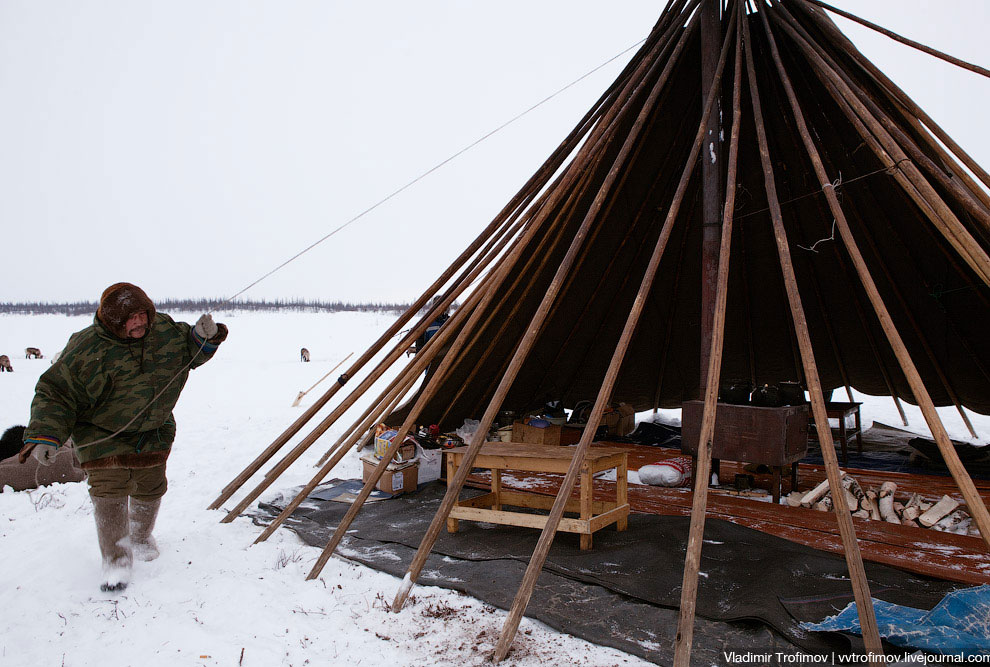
column 937, row 302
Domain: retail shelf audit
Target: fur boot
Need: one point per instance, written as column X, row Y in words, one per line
column 143, row 515
column 114, row 535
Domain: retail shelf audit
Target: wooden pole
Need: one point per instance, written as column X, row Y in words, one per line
column 644, row 215
column 711, row 166
column 303, row 393
column 419, row 365
column 884, row 371
column 975, row 505
column 919, row 334
column 529, row 190
column 975, row 205
column 398, row 393
column 519, row 357
column 501, row 273
column 534, row 265
column 383, row 340
column 915, row 114
column 684, row 638
column 854, row 560
column 903, row 169
column 982, row 71
column 665, row 43
column 605, row 392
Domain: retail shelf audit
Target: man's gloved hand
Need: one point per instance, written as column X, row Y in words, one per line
column 45, row 454
column 205, row 327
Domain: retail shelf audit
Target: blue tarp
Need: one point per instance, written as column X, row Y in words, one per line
column 959, row 624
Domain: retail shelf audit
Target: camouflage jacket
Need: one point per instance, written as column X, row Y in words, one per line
column 100, row 382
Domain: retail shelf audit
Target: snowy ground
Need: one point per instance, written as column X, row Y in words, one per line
column 212, row 598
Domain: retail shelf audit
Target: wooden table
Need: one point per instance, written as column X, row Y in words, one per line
column 840, row 410
column 498, row 456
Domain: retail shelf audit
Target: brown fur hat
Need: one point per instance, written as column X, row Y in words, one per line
column 119, row 302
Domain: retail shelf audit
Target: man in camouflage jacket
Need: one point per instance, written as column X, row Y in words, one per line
column 113, row 390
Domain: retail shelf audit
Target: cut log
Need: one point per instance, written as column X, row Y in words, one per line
column 794, row 498
column 950, row 522
column 915, row 501
column 849, row 482
column 823, row 505
column 886, row 503
column 862, row 514
column 873, row 505
column 911, row 513
column 943, row 507
column 817, row 493
column 852, row 501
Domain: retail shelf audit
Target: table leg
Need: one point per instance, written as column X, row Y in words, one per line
column 452, row 524
column 794, row 469
column 859, row 432
column 775, row 485
column 622, row 491
column 842, row 438
column 587, row 495
column 496, row 489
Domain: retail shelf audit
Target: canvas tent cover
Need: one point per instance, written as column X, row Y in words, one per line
column 938, row 303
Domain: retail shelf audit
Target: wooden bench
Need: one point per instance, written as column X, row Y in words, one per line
column 498, row 456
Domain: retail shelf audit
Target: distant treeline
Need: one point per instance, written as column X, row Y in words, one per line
column 204, row 305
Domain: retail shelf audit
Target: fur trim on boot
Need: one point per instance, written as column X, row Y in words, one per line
column 114, row 536
column 143, row 515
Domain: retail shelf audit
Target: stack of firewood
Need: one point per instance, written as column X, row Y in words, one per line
column 946, row 514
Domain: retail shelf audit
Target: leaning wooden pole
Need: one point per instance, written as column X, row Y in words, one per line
column 975, row 204
column 974, row 502
column 854, row 559
column 303, row 493
column 904, row 170
column 500, row 274
column 915, row 114
column 422, row 359
column 982, row 71
column 536, row 562
column 919, row 334
column 683, row 640
column 518, row 202
column 397, row 390
column 382, row 341
column 425, row 396
column 522, row 351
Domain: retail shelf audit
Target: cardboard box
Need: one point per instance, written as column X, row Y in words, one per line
column 620, row 421
column 406, row 452
column 398, row 477
column 551, row 435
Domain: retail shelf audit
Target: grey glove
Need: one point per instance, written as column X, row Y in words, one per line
column 45, row 454
column 205, row 327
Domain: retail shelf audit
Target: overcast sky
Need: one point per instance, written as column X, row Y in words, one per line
column 192, row 146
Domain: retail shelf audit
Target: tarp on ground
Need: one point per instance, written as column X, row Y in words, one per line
column 755, row 588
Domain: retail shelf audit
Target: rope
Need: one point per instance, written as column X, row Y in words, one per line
column 835, row 186
column 430, row 171
column 355, row 219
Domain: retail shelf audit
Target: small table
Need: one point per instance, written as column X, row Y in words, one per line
column 593, row 515
column 840, row 410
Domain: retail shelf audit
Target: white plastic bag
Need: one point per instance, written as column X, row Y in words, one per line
column 467, row 429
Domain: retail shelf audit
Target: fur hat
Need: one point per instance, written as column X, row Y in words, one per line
column 119, row 302
column 11, row 442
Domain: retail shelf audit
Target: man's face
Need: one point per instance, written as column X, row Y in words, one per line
column 137, row 325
